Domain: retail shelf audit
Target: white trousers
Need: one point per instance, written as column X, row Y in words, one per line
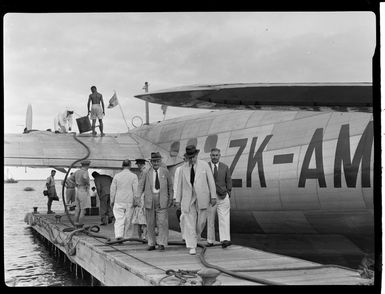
column 193, row 223
column 223, row 209
column 123, row 216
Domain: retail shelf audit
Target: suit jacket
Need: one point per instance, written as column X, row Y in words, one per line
column 204, row 186
column 124, row 187
column 165, row 191
column 223, row 182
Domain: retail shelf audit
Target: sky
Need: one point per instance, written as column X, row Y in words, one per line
column 52, row 59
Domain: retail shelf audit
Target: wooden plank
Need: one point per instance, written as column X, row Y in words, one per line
column 130, row 264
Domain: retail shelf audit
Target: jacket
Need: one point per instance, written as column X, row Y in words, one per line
column 166, row 190
column 124, row 187
column 223, row 182
column 204, row 186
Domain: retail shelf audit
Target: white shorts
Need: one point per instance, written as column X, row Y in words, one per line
column 96, row 111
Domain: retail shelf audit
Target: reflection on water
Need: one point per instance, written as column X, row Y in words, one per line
column 27, row 260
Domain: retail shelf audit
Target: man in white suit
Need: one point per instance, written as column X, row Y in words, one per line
column 123, row 188
column 196, row 191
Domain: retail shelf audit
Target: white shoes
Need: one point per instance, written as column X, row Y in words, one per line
column 193, row 251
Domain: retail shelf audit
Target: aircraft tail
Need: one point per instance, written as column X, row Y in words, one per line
column 28, row 118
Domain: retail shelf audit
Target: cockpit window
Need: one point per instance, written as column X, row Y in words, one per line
column 211, row 142
column 174, row 149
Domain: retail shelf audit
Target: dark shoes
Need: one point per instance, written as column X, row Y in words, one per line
column 50, row 212
column 160, row 248
column 209, row 244
column 226, row 243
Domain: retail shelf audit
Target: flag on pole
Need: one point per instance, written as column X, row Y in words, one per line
column 164, row 108
column 113, row 101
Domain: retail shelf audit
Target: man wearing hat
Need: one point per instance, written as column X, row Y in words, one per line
column 82, row 198
column 158, row 193
column 63, row 121
column 196, row 191
column 122, row 192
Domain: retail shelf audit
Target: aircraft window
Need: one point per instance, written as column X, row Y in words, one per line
column 192, row 141
column 174, row 149
column 211, row 142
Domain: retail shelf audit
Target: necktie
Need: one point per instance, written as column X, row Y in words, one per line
column 192, row 175
column 157, row 184
column 215, row 172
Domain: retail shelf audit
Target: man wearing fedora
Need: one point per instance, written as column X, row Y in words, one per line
column 196, row 191
column 82, row 198
column 158, row 194
column 123, row 189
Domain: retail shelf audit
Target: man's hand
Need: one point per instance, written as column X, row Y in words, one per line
column 213, row 201
column 177, row 204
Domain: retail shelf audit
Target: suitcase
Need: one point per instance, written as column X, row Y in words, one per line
column 84, row 124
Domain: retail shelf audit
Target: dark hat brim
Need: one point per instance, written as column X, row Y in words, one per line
column 192, row 154
column 155, row 158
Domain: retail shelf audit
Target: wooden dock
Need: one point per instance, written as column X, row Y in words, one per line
column 130, row 264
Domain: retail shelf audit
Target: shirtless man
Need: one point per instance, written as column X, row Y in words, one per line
column 97, row 111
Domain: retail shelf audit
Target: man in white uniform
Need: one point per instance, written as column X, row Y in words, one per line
column 63, row 121
column 123, row 189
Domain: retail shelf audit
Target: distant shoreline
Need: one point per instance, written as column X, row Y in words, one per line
column 36, row 180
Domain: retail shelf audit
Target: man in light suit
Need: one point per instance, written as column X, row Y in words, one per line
column 223, row 184
column 123, row 189
column 175, row 183
column 196, row 191
column 158, row 193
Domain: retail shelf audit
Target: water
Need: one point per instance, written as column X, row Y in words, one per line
column 27, row 260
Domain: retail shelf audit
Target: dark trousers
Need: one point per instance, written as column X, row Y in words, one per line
column 106, row 213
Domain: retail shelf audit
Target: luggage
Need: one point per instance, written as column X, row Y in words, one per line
column 84, row 124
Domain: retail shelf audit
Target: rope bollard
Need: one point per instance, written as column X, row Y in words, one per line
column 208, row 276
column 35, row 210
column 58, row 218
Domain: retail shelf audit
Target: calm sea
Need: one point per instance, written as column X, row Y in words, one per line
column 27, row 260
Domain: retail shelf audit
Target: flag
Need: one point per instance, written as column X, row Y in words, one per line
column 113, row 101
column 164, row 108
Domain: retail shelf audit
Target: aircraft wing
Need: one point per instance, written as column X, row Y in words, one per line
column 47, row 149
column 269, row 96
